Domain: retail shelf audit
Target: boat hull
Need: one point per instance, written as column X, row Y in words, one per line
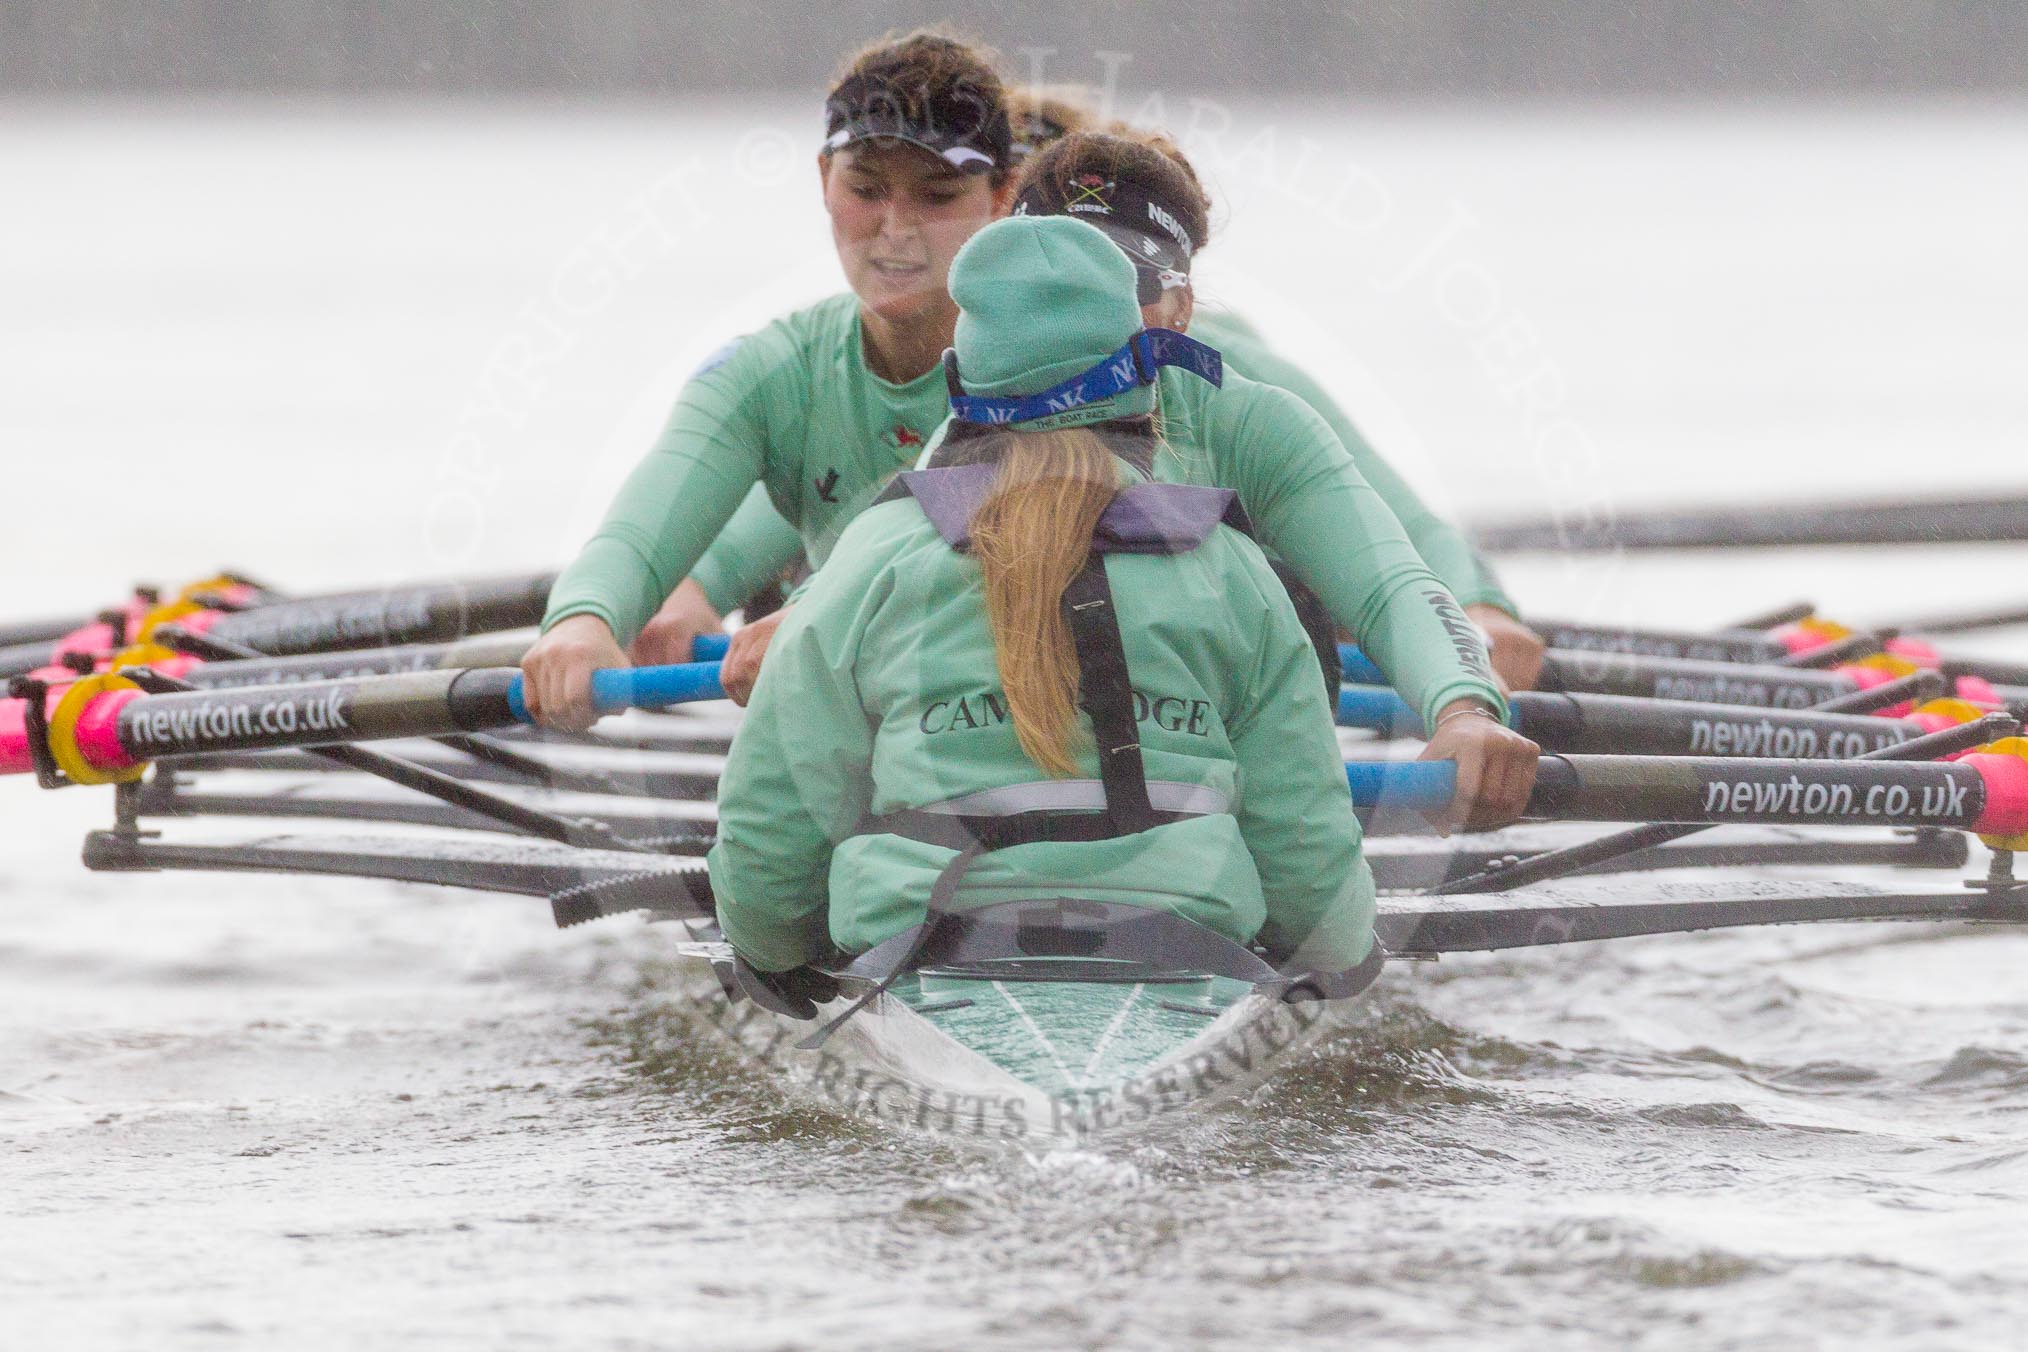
column 1029, row 1061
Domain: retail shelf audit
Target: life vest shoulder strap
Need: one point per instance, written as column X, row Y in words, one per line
column 1143, row 518
column 1106, row 692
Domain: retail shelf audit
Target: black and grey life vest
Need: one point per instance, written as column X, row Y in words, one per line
column 1144, row 518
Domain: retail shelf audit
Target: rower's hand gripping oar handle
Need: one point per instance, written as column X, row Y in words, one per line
column 617, row 689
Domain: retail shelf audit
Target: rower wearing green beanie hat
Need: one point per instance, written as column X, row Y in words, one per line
column 1041, row 302
column 1030, row 672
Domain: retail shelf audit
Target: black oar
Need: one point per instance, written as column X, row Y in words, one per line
column 1914, row 688
column 1761, row 686
column 1965, row 621
column 1591, row 853
column 1625, row 725
column 1815, row 651
column 390, row 617
column 433, row 613
column 1985, row 793
column 228, row 664
column 1780, row 615
column 1731, row 645
column 25, row 632
column 1978, row 520
column 100, row 732
column 1852, row 647
column 1994, row 670
column 1739, row 646
column 233, row 659
column 31, row 641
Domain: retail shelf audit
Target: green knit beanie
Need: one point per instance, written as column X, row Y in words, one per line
column 1042, row 299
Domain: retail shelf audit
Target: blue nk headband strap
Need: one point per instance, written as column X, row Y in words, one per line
column 1138, row 363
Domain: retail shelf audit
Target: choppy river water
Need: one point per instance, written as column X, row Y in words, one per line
column 339, row 346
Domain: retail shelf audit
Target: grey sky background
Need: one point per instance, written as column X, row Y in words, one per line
column 1392, row 49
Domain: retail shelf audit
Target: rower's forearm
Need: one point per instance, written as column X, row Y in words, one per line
column 1469, row 578
column 1345, row 544
column 752, row 550
column 1440, row 542
column 609, row 579
column 1432, row 651
column 667, row 513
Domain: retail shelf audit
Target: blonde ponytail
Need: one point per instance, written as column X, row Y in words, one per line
column 1031, row 537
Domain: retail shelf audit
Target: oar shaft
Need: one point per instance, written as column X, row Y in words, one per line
column 95, row 638
column 1780, row 615
column 389, row 617
column 1621, row 788
column 491, row 651
column 1965, row 621
column 1587, row 854
column 226, row 666
column 120, row 729
column 1975, row 520
column 1608, row 724
column 1995, row 670
column 1625, row 725
column 1729, row 683
column 1795, row 646
column 1696, row 682
column 1762, row 687
column 24, row 632
column 436, row 613
column 116, row 730
column 1732, row 645
column 1983, row 792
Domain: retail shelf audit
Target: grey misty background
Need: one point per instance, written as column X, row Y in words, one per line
column 1470, row 49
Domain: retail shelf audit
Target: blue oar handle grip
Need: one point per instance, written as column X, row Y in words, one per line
column 617, row 688
column 620, row 688
column 1359, row 668
column 1377, row 710
column 1380, row 710
column 1421, row 785
column 710, row 647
